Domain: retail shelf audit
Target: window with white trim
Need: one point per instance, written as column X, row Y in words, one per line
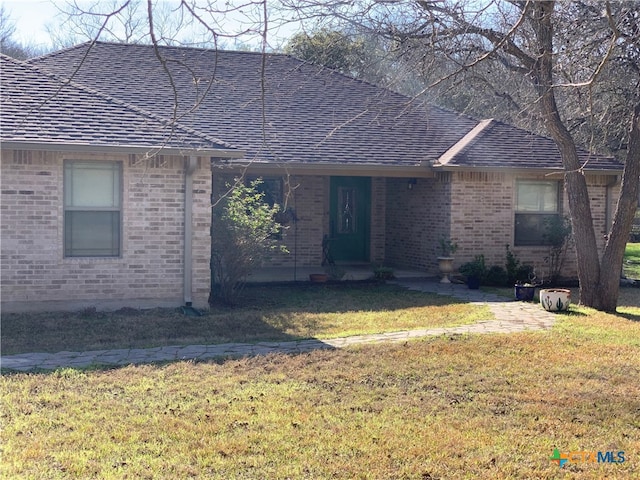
column 537, row 202
column 92, row 208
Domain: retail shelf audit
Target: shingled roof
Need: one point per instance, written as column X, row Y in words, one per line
column 494, row 144
column 308, row 114
column 279, row 109
column 41, row 111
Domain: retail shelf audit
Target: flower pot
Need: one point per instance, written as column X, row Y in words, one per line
column 318, row 277
column 445, row 265
column 555, row 299
column 524, row 293
column 473, row 282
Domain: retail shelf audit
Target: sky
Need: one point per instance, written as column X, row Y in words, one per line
column 32, row 16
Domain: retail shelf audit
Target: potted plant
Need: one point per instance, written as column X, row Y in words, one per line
column 474, row 272
column 555, row 299
column 524, row 291
column 318, row 277
column 383, row 273
column 445, row 262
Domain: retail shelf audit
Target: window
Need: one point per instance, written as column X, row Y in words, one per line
column 536, row 204
column 92, row 209
column 347, row 210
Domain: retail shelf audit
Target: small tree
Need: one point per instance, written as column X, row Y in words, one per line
column 244, row 233
column 558, row 236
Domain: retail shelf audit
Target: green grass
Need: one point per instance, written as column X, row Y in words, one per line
column 266, row 314
column 631, row 265
column 483, row 406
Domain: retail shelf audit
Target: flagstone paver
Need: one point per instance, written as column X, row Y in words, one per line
column 509, row 317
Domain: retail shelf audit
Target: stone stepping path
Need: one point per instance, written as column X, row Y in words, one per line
column 510, row 317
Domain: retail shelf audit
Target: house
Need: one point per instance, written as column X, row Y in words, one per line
column 376, row 177
column 95, row 198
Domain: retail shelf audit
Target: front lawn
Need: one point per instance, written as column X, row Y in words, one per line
column 484, row 406
column 631, row 264
column 271, row 313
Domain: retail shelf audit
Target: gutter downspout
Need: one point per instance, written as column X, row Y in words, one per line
column 192, row 164
column 608, row 215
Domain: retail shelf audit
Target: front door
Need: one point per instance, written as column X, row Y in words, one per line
column 349, row 219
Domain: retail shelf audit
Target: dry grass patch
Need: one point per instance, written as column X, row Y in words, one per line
column 266, row 314
column 486, row 406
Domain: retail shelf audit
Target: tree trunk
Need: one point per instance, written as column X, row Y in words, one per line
column 599, row 279
column 575, row 182
column 622, row 221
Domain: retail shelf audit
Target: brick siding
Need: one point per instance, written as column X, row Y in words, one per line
column 150, row 268
column 416, row 219
column 476, row 210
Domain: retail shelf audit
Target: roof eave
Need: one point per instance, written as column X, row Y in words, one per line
column 368, row 170
column 559, row 171
column 150, row 150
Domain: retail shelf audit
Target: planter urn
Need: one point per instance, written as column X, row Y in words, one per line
column 445, row 265
column 555, row 299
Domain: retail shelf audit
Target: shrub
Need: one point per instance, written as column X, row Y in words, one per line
column 383, row 273
column 475, row 268
column 497, row 276
column 517, row 272
column 244, row 233
column 558, row 236
column 447, row 246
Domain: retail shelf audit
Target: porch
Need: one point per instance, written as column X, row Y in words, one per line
column 352, row 272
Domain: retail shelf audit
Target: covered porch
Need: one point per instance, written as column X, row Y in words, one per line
column 352, row 272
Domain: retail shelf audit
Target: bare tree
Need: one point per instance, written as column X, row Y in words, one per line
column 570, row 55
column 125, row 21
column 8, row 44
column 201, row 23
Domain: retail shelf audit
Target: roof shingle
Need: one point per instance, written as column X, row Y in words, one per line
column 38, row 108
column 496, row 144
column 308, row 114
column 279, row 109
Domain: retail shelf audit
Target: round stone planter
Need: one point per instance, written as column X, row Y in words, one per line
column 445, row 265
column 555, row 299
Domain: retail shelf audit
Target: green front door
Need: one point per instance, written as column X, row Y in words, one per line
column 350, row 216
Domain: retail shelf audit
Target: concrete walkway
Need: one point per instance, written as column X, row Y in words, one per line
column 510, row 316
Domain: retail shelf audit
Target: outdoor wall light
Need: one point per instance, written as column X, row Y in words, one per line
column 411, row 183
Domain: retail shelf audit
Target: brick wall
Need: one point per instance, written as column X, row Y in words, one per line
column 482, row 218
column 476, row 210
column 378, row 220
column 482, row 215
column 149, row 272
column 416, row 219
